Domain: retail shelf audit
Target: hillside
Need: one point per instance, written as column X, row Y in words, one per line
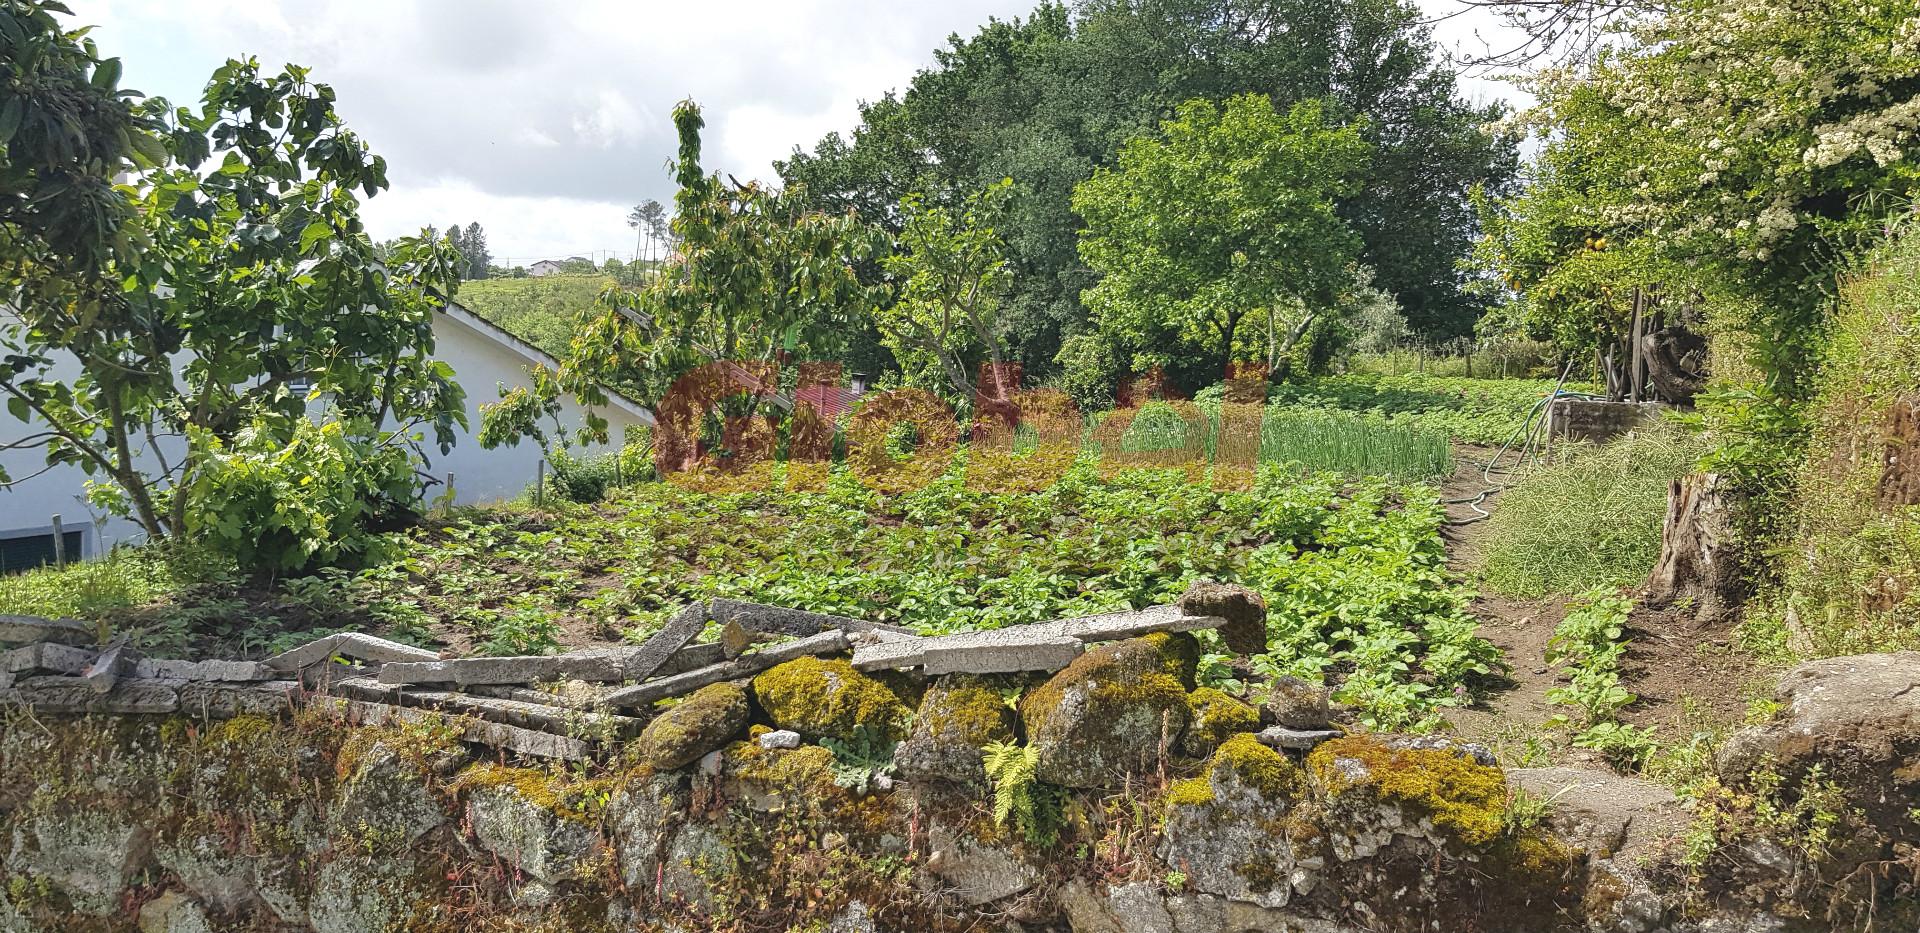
column 540, row 311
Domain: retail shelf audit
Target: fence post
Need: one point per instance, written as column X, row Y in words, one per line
column 540, row 484
column 59, row 542
column 448, row 510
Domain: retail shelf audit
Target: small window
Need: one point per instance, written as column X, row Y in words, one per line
column 26, row 552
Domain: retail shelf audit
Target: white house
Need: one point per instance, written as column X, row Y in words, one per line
column 544, row 267
column 483, row 356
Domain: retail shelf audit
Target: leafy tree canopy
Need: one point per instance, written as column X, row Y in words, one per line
column 239, row 251
column 1048, row 99
column 1228, row 216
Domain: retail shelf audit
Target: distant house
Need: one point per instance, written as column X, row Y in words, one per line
column 482, row 355
column 544, row 267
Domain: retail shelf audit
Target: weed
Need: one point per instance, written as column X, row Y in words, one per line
column 1018, row 798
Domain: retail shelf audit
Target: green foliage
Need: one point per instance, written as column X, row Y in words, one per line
column 1481, row 411
column 863, row 756
column 1050, row 98
column 544, row 311
column 241, row 253
column 278, row 502
column 1587, row 646
column 1589, row 518
column 1801, row 815
column 1354, row 444
column 1851, row 577
column 951, row 272
column 1226, row 216
column 1018, row 798
column 1089, row 371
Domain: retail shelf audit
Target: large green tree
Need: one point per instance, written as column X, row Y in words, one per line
column 1048, row 99
column 950, row 269
column 1227, row 217
column 156, row 327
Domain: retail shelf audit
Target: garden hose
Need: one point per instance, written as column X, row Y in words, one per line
column 1533, row 428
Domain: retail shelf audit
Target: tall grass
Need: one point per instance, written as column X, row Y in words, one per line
column 126, row 578
column 1589, row 519
column 1353, row 444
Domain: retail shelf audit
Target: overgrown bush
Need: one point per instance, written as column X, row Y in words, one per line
column 317, row 499
column 1851, row 580
column 1590, row 518
column 1089, row 371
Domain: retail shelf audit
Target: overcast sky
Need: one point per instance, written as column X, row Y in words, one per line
column 545, row 122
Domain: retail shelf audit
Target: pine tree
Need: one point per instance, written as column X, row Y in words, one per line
column 475, row 250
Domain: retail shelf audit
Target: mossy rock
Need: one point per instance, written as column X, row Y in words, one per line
column 693, row 727
column 829, row 699
column 959, row 715
column 778, row 779
column 1217, row 716
column 1236, row 830
column 1380, row 786
column 1116, row 710
column 1245, row 632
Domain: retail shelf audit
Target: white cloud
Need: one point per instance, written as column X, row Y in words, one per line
column 544, row 122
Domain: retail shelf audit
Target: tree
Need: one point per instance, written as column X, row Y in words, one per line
column 240, row 253
column 1229, row 214
column 1048, row 99
column 648, row 220
column 474, row 249
column 951, row 271
column 757, row 274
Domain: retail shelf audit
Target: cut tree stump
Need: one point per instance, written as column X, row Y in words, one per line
column 1700, row 558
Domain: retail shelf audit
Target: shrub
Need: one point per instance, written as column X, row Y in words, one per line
column 1089, row 370
column 315, row 499
column 1590, row 518
column 1853, row 578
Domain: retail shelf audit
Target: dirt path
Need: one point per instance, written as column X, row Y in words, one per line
column 1686, row 677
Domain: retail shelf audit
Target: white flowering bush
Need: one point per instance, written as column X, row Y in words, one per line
column 1733, row 151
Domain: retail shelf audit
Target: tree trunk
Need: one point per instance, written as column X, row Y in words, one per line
column 1700, row 559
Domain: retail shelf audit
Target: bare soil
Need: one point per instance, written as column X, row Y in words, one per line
column 1686, row 674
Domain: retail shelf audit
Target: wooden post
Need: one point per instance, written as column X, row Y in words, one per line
column 1636, row 364
column 59, row 542
column 449, row 507
column 540, row 484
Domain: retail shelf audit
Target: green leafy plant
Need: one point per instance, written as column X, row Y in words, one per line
column 860, row 758
column 1019, row 799
column 1588, row 645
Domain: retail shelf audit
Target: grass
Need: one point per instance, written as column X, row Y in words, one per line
column 541, row 311
column 1352, row 444
column 1589, row 519
column 1480, row 411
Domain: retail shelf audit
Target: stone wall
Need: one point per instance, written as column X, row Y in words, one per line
column 770, row 802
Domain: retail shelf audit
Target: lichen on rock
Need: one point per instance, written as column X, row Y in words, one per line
column 1116, row 710
column 827, row 698
column 1231, row 831
column 959, row 715
column 1376, row 787
column 693, row 727
column 1217, row 716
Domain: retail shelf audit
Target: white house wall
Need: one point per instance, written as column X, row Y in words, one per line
column 482, row 357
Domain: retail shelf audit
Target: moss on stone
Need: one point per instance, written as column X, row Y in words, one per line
column 1192, row 792
column 828, row 698
column 1111, row 711
column 578, row 800
column 1217, row 716
column 1257, row 766
column 1457, row 793
column 693, row 727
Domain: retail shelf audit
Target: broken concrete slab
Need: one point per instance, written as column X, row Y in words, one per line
column 544, row 717
column 107, row 667
column 582, row 698
column 530, row 669
column 779, row 620
column 47, row 657
column 1133, row 623
column 55, row 694
column 227, row 671
column 348, row 644
column 890, row 655
column 685, row 626
column 747, row 665
column 492, row 734
column 999, row 651
column 23, row 630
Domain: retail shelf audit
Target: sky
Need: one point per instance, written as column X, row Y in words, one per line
column 546, row 122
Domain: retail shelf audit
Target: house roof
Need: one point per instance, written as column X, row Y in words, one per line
column 536, row 356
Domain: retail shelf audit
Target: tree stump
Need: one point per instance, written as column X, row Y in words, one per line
column 1700, row 559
